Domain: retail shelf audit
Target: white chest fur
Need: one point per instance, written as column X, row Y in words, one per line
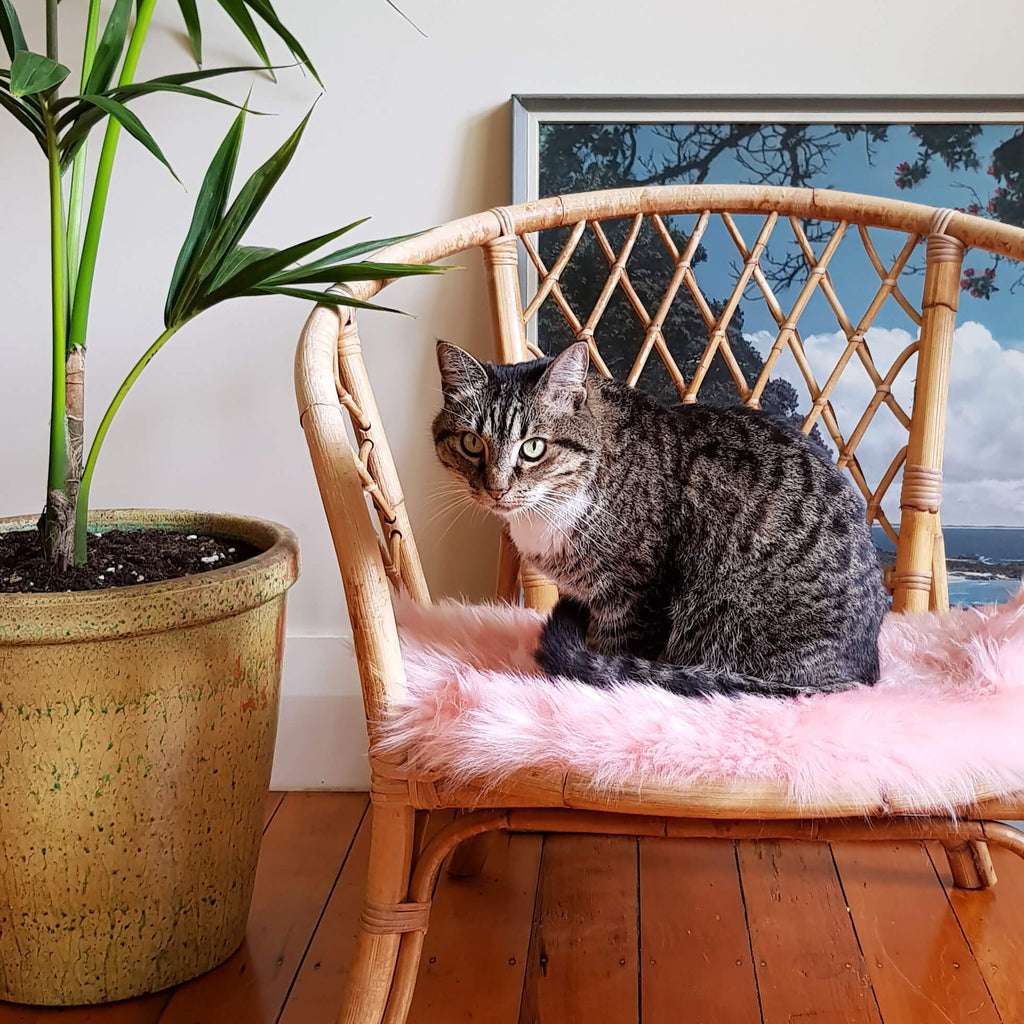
column 544, row 537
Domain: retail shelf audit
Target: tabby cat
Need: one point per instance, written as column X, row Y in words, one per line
column 701, row 549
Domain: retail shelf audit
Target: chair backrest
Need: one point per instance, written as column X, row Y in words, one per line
column 560, row 240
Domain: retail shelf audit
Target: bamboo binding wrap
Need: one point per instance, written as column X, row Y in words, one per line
column 921, row 494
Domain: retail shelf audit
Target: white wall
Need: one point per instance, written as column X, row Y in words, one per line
column 415, row 131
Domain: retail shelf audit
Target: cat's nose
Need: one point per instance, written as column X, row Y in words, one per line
column 497, row 493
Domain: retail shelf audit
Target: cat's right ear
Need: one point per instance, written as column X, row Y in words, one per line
column 460, row 373
column 564, row 384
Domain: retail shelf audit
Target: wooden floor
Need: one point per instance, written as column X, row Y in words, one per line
column 598, row 930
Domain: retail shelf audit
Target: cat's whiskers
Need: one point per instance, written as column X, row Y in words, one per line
column 454, row 497
column 469, row 504
column 444, row 501
column 456, row 503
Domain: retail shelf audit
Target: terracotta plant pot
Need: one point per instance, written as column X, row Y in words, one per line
column 137, row 731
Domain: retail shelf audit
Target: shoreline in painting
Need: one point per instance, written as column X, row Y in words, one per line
column 985, row 563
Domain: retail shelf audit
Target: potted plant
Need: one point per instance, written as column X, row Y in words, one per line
column 137, row 713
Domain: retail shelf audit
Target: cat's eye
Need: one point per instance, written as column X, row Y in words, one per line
column 471, row 444
column 533, row 449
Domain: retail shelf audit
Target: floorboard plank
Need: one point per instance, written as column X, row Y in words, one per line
column 993, row 921
column 582, row 964
column 919, row 962
column 315, row 997
column 808, row 964
column 694, row 947
column 475, row 955
column 319, row 986
column 303, row 849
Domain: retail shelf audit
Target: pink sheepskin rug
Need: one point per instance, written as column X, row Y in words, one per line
column 943, row 725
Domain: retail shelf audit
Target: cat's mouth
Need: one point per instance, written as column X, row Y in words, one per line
column 500, row 505
column 503, row 506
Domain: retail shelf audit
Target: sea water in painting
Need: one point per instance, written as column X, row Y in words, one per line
column 978, row 168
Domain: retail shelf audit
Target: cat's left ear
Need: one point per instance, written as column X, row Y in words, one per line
column 564, row 384
column 461, row 374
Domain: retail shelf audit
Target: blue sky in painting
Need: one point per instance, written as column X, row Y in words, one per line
column 984, row 468
column 850, row 171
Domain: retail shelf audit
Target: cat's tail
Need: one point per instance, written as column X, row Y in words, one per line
column 563, row 652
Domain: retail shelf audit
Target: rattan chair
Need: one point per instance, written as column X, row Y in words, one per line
column 377, row 552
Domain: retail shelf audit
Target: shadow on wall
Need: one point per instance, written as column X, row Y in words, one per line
column 459, row 555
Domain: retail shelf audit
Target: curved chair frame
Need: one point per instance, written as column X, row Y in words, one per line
column 358, row 478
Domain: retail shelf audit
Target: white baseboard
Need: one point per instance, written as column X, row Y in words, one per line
column 321, row 733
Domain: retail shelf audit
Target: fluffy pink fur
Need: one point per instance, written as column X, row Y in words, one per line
column 941, row 727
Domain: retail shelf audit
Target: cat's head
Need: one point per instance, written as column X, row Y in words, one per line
column 522, row 437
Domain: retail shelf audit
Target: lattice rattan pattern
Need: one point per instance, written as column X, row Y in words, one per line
column 718, row 316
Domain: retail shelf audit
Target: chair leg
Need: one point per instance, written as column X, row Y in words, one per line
column 387, row 883
column 469, row 857
column 971, row 864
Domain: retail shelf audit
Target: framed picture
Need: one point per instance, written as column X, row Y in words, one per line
column 965, row 153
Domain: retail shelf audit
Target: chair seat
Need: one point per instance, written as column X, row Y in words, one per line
column 479, row 725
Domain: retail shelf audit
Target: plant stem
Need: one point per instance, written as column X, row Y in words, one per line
column 82, row 517
column 78, row 168
column 101, row 187
column 55, row 515
column 87, row 264
column 51, row 29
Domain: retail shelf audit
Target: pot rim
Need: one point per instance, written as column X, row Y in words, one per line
column 141, row 608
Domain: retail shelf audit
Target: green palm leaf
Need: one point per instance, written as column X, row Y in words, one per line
column 324, row 298
column 247, row 204
column 32, row 73
column 209, row 211
column 84, row 114
column 10, row 29
column 110, row 48
column 239, row 14
column 331, row 259
column 195, row 30
column 264, row 9
column 242, row 257
column 184, row 78
column 336, row 272
column 24, row 114
column 229, row 282
column 127, row 120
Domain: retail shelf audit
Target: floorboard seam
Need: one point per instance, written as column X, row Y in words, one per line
column 746, row 921
column 639, row 943
column 959, row 924
column 534, row 927
column 853, row 925
column 277, row 807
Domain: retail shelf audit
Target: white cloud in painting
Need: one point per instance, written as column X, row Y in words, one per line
column 983, row 472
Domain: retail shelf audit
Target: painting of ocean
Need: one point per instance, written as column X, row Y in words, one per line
column 985, row 563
